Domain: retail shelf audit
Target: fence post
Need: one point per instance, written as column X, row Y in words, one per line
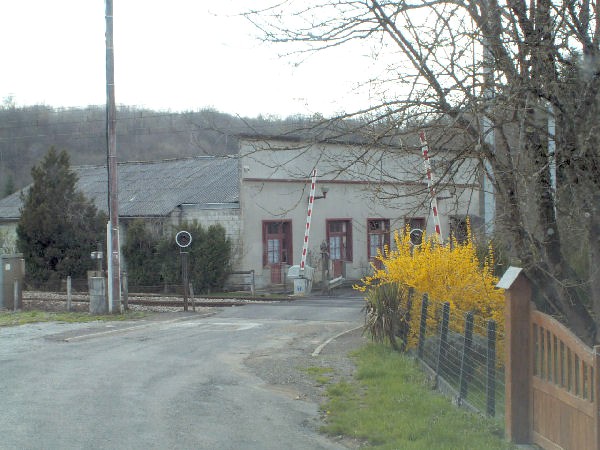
column 466, row 363
column 518, row 373
column 491, row 369
column 252, row 286
column 423, row 325
column 191, row 290
column 443, row 340
column 405, row 319
column 69, row 298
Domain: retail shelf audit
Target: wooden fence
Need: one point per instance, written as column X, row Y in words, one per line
column 552, row 377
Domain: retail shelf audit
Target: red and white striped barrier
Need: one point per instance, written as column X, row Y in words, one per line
column 431, row 186
column 311, row 200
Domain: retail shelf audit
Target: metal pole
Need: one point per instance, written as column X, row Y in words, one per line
column 111, row 142
column 16, row 295
column 125, row 291
column 489, row 199
column 184, row 273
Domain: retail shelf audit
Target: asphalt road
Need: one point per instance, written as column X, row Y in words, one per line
column 180, row 382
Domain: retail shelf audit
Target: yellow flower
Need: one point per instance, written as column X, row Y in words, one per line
column 447, row 273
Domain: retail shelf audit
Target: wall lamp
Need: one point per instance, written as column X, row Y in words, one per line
column 324, row 191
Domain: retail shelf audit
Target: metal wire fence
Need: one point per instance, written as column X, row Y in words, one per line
column 237, row 281
column 463, row 355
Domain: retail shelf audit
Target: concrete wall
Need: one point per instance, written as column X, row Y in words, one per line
column 362, row 185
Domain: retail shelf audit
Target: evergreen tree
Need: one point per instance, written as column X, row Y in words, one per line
column 141, row 255
column 59, row 227
column 214, row 256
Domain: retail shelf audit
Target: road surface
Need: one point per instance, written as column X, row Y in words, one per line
column 181, row 382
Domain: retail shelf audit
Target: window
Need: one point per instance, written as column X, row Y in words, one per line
column 417, row 228
column 273, row 251
column 458, row 229
column 378, row 236
column 339, row 237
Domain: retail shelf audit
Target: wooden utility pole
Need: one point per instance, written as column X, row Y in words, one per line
column 113, row 260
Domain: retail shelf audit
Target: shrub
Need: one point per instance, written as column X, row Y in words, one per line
column 387, row 314
column 141, row 255
column 152, row 261
column 447, row 273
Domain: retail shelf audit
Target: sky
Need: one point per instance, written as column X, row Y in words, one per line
column 172, row 55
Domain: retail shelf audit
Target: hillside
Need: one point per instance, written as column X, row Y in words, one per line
column 27, row 133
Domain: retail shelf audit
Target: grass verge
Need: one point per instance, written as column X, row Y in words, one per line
column 8, row 319
column 389, row 405
column 322, row 375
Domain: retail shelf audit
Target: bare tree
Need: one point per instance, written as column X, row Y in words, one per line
column 514, row 84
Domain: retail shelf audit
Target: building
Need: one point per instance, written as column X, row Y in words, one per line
column 162, row 193
column 260, row 196
column 363, row 194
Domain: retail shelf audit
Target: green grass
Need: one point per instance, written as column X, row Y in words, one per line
column 322, row 375
column 389, row 405
column 8, row 319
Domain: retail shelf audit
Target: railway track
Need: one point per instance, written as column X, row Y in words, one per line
column 47, row 298
column 146, row 302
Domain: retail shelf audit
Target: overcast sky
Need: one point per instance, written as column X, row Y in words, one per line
column 169, row 55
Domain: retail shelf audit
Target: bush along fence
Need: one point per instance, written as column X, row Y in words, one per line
column 461, row 351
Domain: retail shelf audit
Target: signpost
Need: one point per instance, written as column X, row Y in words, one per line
column 183, row 239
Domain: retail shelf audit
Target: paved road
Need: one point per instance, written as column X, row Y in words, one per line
column 175, row 383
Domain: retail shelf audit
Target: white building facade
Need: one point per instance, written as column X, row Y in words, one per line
column 363, row 194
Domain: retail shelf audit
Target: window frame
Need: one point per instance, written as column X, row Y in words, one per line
column 346, row 253
column 457, row 228
column 385, row 232
column 286, row 249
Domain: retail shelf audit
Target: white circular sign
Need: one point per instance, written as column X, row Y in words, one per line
column 416, row 236
column 183, row 239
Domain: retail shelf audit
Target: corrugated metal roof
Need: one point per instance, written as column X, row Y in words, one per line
column 154, row 188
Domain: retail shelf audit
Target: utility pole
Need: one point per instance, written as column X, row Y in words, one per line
column 112, row 238
column 489, row 195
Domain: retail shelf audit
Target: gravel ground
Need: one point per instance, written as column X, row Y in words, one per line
column 283, row 371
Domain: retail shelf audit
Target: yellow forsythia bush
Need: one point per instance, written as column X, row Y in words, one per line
column 447, row 273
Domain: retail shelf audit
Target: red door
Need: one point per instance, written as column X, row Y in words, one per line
column 277, row 247
column 339, row 237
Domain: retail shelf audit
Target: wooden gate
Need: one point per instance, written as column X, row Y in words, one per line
column 552, row 378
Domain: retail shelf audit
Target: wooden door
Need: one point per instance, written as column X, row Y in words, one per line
column 277, row 247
